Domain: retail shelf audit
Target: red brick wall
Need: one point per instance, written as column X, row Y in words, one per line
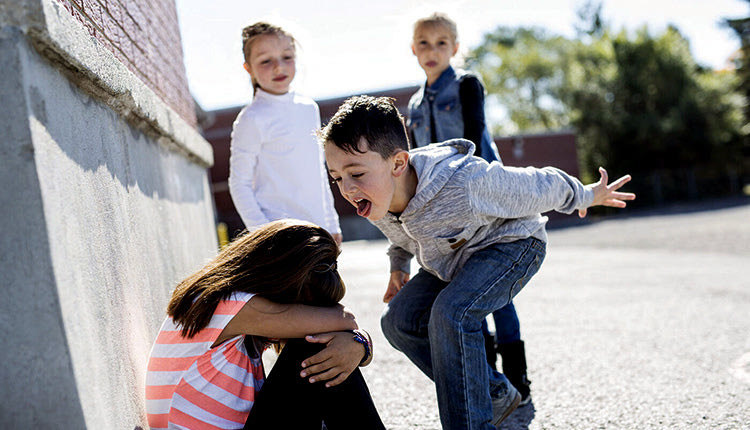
column 145, row 36
column 556, row 149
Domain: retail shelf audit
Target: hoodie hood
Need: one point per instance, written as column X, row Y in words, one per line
column 434, row 165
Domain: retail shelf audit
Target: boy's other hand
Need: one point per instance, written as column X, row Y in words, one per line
column 607, row 195
column 397, row 281
column 336, row 362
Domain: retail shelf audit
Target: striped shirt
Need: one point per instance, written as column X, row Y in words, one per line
column 190, row 385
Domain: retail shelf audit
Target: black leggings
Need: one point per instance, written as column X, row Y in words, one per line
column 287, row 400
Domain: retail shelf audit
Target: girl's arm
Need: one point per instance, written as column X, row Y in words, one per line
column 329, row 210
column 262, row 317
column 471, row 93
column 245, row 150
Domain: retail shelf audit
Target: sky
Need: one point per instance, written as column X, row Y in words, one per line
column 353, row 47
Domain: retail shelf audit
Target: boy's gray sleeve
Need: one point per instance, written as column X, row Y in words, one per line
column 513, row 192
column 400, row 259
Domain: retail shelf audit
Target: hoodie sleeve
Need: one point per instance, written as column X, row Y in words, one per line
column 512, row 192
column 400, row 259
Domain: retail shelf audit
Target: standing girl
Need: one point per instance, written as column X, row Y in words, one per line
column 276, row 166
column 277, row 282
column 451, row 105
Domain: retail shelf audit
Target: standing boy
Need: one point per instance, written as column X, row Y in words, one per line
column 476, row 230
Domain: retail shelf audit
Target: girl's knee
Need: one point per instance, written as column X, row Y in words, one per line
column 299, row 349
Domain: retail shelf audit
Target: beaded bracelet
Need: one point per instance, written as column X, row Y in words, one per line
column 365, row 341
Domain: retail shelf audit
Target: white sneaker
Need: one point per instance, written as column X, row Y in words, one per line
column 502, row 407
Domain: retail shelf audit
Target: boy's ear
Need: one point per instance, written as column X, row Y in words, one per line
column 455, row 48
column 413, row 51
column 400, row 163
column 247, row 68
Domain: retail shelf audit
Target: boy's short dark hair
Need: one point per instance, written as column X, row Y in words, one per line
column 374, row 118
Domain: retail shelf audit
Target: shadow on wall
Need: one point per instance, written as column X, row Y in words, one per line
column 61, row 109
column 122, row 216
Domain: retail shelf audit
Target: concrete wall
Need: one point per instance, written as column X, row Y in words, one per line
column 105, row 205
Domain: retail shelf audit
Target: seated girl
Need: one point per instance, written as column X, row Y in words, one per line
column 276, row 284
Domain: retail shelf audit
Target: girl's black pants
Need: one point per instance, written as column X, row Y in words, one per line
column 287, row 400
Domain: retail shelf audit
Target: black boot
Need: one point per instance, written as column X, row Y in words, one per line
column 489, row 349
column 514, row 367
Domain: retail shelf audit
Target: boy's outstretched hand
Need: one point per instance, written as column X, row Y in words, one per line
column 607, row 195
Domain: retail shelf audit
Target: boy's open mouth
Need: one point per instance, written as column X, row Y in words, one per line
column 363, row 207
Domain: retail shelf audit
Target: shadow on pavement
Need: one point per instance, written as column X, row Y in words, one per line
column 520, row 419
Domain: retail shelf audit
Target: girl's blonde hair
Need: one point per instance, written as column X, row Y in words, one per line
column 438, row 19
column 285, row 261
column 252, row 32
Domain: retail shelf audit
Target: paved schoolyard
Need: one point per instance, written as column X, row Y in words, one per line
column 637, row 322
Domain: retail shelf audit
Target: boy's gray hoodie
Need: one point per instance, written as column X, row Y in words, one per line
column 464, row 204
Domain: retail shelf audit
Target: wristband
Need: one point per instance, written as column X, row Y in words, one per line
column 362, row 338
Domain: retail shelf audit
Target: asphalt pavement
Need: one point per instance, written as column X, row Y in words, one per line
column 634, row 322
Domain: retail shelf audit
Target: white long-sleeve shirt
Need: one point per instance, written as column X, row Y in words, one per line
column 276, row 167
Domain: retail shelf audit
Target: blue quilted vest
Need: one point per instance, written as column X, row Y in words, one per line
column 442, row 98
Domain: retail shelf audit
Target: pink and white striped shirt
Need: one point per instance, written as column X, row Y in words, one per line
column 190, row 385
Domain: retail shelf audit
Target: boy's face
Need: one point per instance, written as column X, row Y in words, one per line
column 434, row 46
column 272, row 63
column 367, row 181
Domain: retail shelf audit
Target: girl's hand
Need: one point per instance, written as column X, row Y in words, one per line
column 338, row 238
column 337, row 361
column 397, row 281
column 607, row 195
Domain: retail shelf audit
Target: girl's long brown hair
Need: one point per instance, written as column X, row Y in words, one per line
column 286, row 261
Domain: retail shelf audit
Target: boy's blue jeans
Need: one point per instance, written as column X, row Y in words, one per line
column 438, row 325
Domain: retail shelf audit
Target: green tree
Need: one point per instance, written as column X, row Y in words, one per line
column 639, row 103
column 741, row 27
column 521, row 68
